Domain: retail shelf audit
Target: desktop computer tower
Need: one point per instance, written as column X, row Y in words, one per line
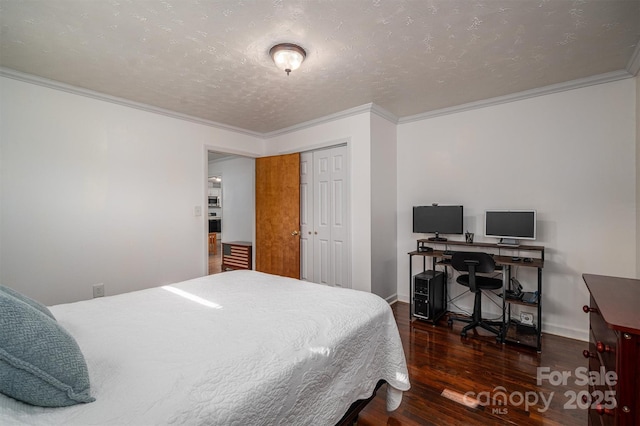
column 428, row 295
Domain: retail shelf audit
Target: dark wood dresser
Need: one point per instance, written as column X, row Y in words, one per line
column 614, row 346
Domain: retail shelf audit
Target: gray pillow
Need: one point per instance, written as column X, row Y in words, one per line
column 39, row 306
column 40, row 362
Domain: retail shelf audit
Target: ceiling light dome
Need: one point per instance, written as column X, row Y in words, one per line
column 287, row 56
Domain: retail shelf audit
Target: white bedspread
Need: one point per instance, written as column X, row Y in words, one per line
column 238, row 348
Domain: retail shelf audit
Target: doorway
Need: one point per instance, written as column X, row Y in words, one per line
column 230, row 203
column 214, row 218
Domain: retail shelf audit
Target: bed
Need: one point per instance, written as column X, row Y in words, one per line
column 237, row 348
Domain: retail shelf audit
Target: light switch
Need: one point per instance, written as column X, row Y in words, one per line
column 197, row 211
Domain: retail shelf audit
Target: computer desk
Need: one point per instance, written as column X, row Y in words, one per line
column 511, row 331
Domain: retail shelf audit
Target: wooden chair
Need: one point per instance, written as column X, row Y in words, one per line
column 213, row 243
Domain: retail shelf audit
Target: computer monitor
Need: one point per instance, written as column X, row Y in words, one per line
column 435, row 219
column 510, row 225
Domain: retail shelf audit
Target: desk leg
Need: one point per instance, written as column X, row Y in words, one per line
column 410, row 288
column 539, row 309
column 445, row 309
column 506, row 278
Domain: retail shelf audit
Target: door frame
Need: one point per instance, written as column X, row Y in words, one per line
column 205, row 192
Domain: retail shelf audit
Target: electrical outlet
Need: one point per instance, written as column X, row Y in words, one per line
column 98, row 290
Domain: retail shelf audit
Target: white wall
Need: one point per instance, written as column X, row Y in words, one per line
column 384, row 261
column 570, row 155
column 238, row 197
column 95, row 192
column 355, row 131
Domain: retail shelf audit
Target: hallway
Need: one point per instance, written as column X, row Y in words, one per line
column 215, row 260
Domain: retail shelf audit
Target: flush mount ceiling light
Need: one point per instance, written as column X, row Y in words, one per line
column 287, row 56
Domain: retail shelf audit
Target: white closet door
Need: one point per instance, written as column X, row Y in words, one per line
column 306, row 216
column 330, row 245
column 339, row 218
column 321, row 211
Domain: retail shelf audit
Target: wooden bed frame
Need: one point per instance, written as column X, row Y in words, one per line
column 351, row 416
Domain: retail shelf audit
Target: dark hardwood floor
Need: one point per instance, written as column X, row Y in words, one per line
column 440, row 359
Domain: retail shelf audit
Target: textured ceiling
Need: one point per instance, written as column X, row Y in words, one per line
column 209, row 59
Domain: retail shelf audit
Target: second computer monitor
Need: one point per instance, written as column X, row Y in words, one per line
column 510, row 225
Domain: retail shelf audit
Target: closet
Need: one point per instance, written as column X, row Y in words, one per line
column 324, row 217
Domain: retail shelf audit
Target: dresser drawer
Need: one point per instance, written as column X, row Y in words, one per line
column 595, row 419
column 601, row 394
column 604, row 339
column 605, row 350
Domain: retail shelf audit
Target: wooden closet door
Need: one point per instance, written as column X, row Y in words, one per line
column 278, row 215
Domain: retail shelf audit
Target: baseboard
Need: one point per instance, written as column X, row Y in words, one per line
column 570, row 333
column 403, row 298
column 392, row 299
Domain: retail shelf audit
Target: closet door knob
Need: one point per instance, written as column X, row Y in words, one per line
column 294, row 233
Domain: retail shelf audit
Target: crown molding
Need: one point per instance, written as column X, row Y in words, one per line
column 322, row 120
column 52, row 84
column 632, row 69
column 541, row 91
column 378, row 110
column 633, row 66
column 56, row 85
column 370, row 107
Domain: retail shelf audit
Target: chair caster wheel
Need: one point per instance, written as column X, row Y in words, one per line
column 450, row 322
column 463, row 334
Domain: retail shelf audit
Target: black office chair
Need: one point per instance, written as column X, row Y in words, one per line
column 474, row 263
